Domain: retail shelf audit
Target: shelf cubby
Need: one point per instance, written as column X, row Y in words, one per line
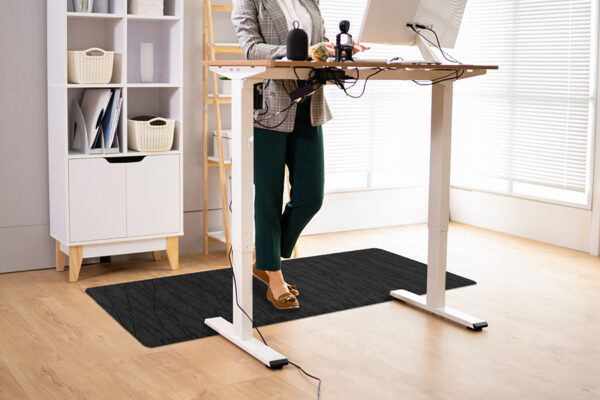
column 115, row 7
column 76, row 93
column 164, row 34
column 172, row 8
column 161, row 102
column 107, row 34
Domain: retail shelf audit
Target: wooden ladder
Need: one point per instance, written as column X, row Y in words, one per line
column 209, row 51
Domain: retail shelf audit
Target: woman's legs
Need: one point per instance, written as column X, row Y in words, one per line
column 305, row 160
column 302, row 151
column 269, row 171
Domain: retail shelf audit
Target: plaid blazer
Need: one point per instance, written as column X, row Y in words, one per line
column 262, row 30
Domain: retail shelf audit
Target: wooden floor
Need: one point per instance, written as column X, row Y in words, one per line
column 543, row 342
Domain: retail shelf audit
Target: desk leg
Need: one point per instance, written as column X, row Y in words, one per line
column 439, row 200
column 242, row 238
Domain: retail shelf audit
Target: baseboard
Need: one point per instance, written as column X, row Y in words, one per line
column 549, row 223
column 370, row 209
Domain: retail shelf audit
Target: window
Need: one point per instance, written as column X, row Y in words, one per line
column 382, row 139
column 526, row 129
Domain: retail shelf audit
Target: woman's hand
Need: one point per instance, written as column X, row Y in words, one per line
column 330, row 48
column 359, row 47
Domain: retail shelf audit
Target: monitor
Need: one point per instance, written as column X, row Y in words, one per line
column 385, row 22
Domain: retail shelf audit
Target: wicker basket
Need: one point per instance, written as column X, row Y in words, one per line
column 150, row 133
column 146, row 7
column 90, row 66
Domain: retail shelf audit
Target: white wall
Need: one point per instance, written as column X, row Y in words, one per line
column 24, row 238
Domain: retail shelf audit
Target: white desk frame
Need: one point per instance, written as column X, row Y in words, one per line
column 243, row 76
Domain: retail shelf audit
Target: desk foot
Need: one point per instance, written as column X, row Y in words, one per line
column 255, row 348
column 459, row 317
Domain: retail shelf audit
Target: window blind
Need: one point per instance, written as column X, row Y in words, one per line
column 526, row 129
column 381, row 139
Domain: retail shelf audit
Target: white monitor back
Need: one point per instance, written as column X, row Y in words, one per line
column 385, row 21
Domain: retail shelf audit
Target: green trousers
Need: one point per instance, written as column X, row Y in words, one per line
column 276, row 233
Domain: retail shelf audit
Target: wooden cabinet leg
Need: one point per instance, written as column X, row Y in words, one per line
column 157, row 256
column 75, row 259
column 61, row 258
column 173, row 251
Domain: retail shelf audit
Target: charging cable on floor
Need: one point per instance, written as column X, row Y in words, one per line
column 255, row 327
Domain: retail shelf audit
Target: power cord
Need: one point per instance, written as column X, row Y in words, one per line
column 255, row 327
column 332, row 74
column 448, row 57
column 452, row 76
column 286, row 110
column 379, row 70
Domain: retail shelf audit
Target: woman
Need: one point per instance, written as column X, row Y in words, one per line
column 293, row 137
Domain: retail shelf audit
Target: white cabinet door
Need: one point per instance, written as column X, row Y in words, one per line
column 153, row 202
column 97, row 191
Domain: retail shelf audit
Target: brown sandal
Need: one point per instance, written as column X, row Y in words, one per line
column 283, row 302
column 262, row 275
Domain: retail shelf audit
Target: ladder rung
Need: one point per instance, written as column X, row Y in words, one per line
column 227, row 49
column 221, row 7
column 217, row 236
column 230, row 44
column 212, row 163
column 216, row 159
column 222, row 99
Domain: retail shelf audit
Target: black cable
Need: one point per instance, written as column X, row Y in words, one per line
column 286, row 110
column 457, row 75
column 264, row 112
column 258, row 330
column 438, row 45
column 379, row 70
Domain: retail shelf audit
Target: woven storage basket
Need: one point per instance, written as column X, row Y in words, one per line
column 90, row 66
column 149, row 133
column 147, row 7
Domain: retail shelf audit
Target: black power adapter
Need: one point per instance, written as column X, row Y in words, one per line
column 259, row 96
column 302, row 92
column 322, row 75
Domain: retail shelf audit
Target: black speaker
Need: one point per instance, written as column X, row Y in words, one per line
column 297, row 43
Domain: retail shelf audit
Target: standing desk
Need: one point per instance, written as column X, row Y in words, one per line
column 244, row 74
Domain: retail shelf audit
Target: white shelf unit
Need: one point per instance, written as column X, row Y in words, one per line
column 131, row 201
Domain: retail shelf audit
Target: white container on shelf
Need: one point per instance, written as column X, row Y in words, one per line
column 150, row 133
column 83, row 5
column 93, row 65
column 146, row 7
column 226, row 137
column 147, row 62
column 101, row 6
